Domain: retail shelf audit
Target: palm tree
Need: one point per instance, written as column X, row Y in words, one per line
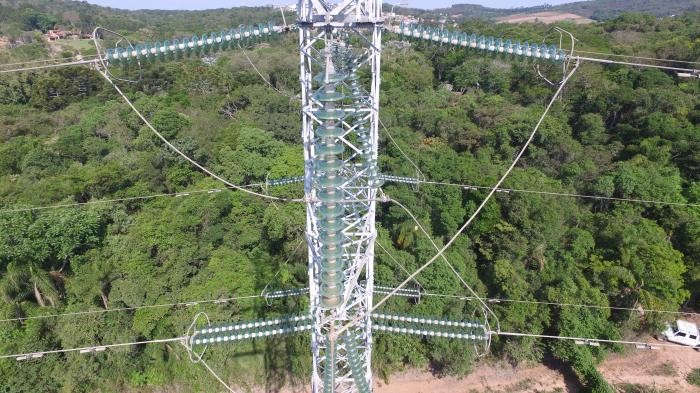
column 101, row 277
column 12, row 296
column 31, row 278
column 95, row 281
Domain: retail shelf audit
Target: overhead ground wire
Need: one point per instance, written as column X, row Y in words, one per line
column 39, row 354
column 478, row 209
column 636, row 57
column 125, row 199
column 46, row 66
column 133, row 308
column 186, row 157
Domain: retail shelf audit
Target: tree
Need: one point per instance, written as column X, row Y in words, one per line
column 29, row 277
column 35, row 20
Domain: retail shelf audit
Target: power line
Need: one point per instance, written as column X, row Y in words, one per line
column 454, row 271
column 125, row 199
column 186, row 157
column 563, row 194
column 636, row 57
column 478, row 209
column 121, row 309
column 397, row 262
column 230, row 299
column 593, row 341
column 79, row 62
column 260, row 74
column 386, row 130
column 429, row 182
column 211, row 370
column 607, row 61
column 101, row 348
column 23, row 63
column 559, row 304
column 90, row 349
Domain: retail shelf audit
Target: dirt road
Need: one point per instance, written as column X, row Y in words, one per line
column 663, row 368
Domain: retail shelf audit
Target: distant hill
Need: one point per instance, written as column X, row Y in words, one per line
column 595, row 9
column 81, row 15
column 608, row 9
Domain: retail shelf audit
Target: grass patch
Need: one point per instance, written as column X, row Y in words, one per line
column 694, row 377
column 665, row 369
column 636, row 388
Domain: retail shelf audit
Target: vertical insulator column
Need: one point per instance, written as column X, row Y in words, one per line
column 330, row 210
column 337, row 38
column 329, row 370
column 356, row 363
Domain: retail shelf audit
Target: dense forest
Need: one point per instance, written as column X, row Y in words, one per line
column 66, row 138
column 594, row 9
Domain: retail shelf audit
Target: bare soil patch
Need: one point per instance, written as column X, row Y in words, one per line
column 664, row 369
column 546, row 17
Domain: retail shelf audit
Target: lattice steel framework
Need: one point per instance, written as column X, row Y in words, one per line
column 339, row 132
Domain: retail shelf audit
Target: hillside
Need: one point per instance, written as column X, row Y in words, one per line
column 608, row 9
column 594, row 9
column 82, row 15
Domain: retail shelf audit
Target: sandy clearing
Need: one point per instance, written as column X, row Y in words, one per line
column 484, row 378
column 544, row 17
column 663, row 368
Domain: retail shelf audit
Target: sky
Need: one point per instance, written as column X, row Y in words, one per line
column 206, row 4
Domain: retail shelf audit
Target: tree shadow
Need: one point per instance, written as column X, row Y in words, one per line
column 279, row 355
column 571, row 381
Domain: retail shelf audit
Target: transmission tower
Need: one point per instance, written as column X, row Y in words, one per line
column 339, row 133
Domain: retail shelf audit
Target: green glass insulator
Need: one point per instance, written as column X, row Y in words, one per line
column 328, row 149
column 330, row 195
column 353, row 76
column 333, row 96
column 378, row 182
column 328, row 165
column 329, row 370
column 334, row 224
column 326, row 181
column 326, row 236
column 332, row 277
column 329, row 114
column 328, row 301
column 329, row 131
column 332, row 265
column 330, row 210
column 332, row 78
column 331, row 289
column 331, row 251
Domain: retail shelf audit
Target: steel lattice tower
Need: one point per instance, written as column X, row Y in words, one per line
column 339, row 132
